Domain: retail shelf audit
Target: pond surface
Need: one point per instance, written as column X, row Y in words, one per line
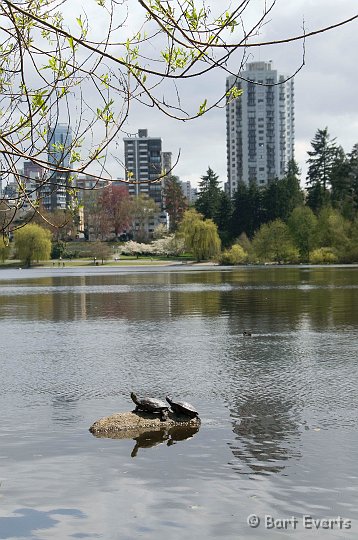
column 279, row 409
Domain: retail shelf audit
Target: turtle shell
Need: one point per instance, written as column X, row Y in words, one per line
column 152, row 404
column 182, row 407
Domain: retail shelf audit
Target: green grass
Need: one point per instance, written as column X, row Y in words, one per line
column 125, row 260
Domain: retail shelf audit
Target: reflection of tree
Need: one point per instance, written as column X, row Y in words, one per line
column 264, row 429
column 276, row 299
column 262, row 300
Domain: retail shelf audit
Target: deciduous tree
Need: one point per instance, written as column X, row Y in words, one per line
column 32, row 242
column 4, row 249
column 115, row 203
column 200, row 236
column 273, row 243
column 175, row 202
column 143, row 210
column 303, row 226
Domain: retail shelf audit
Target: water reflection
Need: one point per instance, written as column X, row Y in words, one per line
column 279, row 407
column 26, row 522
column 327, row 296
column 265, row 433
column 65, row 405
column 151, row 438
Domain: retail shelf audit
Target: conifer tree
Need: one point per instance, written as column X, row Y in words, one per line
column 320, row 164
column 208, row 200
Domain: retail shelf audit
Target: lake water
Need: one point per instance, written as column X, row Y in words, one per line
column 279, row 431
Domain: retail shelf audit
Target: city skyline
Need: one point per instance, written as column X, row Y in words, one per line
column 324, row 91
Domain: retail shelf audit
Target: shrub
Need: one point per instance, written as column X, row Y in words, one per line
column 234, row 255
column 323, row 255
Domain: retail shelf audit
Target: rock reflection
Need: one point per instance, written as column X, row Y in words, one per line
column 264, row 431
column 151, row 438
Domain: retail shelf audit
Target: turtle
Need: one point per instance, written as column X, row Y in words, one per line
column 153, row 405
column 247, row 333
column 182, row 407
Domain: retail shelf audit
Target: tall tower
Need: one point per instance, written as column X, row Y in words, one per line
column 143, row 162
column 59, row 142
column 259, row 126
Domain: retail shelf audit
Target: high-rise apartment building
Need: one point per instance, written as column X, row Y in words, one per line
column 143, row 164
column 59, row 142
column 259, row 126
column 189, row 192
column 167, row 163
column 32, row 180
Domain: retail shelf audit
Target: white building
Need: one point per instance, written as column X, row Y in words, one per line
column 189, row 192
column 259, row 126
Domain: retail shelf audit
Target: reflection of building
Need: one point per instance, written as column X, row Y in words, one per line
column 259, row 126
column 264, row 429
column 59, row 151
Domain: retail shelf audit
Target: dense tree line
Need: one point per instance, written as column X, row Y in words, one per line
column 280, row 222
column 283, row 222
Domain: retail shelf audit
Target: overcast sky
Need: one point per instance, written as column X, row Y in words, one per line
column 325, row 89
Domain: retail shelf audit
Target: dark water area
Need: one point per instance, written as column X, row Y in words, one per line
column 279, row 431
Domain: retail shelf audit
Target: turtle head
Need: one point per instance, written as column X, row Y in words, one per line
column 134, row 398
column 169, row 400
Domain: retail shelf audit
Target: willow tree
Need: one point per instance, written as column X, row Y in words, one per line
column 84, row 64
column 32, row 242
column 200, row 236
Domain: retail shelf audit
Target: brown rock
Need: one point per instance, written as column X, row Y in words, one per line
column 130, row 425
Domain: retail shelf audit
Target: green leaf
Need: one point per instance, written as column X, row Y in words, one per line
column 202, row 107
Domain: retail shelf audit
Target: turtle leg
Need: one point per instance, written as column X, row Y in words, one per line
column 136, row 409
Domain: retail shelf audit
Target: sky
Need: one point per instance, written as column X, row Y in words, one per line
column 325, row 89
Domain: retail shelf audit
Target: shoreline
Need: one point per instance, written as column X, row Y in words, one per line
column 14, row 273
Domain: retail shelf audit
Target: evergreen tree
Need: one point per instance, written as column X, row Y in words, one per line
column 283, row 195
column 223, row 218
column 341, row 194
column 208, row 200
column 353, row 179
column 294, row 192
column 248, row 212
column 320, row 165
